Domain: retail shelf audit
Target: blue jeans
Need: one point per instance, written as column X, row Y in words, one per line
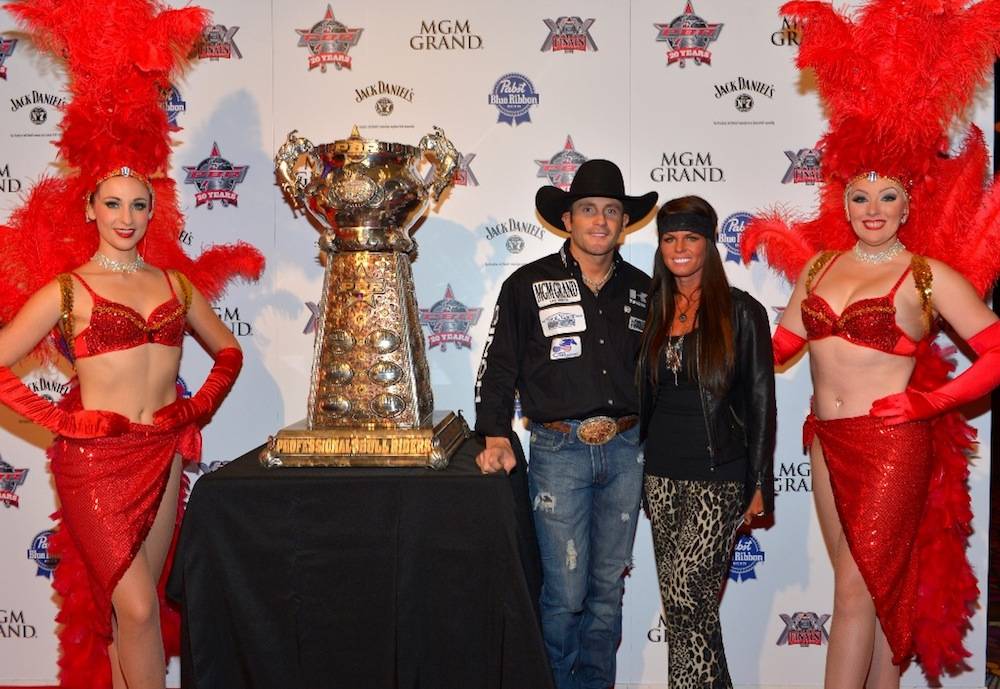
column 586, row 503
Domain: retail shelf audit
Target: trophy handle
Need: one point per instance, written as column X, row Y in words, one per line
column 297, row 164
column 446, row 159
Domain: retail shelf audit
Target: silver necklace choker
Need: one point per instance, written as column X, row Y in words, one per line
column 596, row 285
column 119, row 266
column 883, row 256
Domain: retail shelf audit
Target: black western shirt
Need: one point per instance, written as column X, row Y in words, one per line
column 568, row 353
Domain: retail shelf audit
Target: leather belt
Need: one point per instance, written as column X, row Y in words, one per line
column 597, row 430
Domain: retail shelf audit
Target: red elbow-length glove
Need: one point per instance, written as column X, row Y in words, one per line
column 977, row 380
column 84, row 423
column 785, row 344
column 199, row 408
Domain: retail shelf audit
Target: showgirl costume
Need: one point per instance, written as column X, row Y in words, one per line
column 110, row 473
column 899, row 475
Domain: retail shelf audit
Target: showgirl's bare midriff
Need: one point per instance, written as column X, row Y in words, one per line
column 847, row 377
column 133, row 382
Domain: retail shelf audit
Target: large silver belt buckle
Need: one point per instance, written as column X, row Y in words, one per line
column 597, row 430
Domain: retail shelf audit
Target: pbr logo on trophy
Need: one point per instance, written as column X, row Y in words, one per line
column 370, row 399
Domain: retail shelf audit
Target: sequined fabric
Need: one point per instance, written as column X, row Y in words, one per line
column 880, row 477
column 109, row 490
column 866, row 322
column 115, row 326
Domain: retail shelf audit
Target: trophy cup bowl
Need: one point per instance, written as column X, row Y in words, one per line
column 370, row 399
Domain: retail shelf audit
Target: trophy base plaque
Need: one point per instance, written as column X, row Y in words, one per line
column 430, row 445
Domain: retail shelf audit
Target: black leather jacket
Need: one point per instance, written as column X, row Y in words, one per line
column 746, row 414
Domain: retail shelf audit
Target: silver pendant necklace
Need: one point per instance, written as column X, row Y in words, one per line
column 674, row 356
column 119, row 266
column 883, row 256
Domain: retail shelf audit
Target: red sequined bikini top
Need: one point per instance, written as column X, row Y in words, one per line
column 867, row 322
column 114, row 327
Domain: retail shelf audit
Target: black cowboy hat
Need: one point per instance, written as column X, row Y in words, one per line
column 593, row 178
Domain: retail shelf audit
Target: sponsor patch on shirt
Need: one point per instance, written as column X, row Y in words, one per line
column 557, row 320
column 637, row 298
column 636, row 324
column 566, row 348
column 549, row 292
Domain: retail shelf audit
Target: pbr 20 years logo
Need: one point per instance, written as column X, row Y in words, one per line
column 216, row 179
column 329, row 41
column 688, row 36
column 561, row 168
column 449, row 321
column 10, row 480
column 7, row 46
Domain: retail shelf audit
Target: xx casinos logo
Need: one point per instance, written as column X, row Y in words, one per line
column 688, row 36
column 561, row 168
column 804, row 629
column 216, row 179
column 217, row 43
column 463, row 177
column 7, row 46
column 329, row 41
column 513, row 95
column 569, row 35
column 449, row 321
column 804, row 167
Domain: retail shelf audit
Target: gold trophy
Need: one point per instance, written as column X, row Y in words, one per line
column 370, row 399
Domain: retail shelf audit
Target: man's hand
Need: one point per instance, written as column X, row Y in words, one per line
column 497, row 456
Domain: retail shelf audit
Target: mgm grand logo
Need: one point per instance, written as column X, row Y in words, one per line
column 446, row 34
column 687, row 166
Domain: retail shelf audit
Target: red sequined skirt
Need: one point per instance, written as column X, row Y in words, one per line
column 109, row 490
column 889, row 484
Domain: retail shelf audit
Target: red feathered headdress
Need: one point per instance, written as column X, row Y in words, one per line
column 114, row 118
column 894, row 79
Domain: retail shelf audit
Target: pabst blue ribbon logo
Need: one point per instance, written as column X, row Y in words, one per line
column 449, row 321
column 10, row 480
column 38, row 553
column 804, row 629
column 730, row 233
column 804, row 167
column 328, row 42
column 569, row 34
column 7, row 46
column 217, row 43
column 216, row 178
column 513, row 95
column 173, row 105
column 463, row 177
column 746, row 555
column 688, row 36
column 561, row 168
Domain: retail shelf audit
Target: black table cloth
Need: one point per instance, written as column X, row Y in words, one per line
column 354, row 578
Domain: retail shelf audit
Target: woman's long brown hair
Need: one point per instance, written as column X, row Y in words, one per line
column 713, row 318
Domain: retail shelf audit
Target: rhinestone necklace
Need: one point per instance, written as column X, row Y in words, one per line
column 883, row 256
column 119, row 266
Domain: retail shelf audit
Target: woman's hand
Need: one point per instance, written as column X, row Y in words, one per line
column 756, row 507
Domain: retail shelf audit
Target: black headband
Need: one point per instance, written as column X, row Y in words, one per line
column 692, row 222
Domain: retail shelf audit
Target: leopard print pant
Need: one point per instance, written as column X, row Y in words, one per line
column 694, row 527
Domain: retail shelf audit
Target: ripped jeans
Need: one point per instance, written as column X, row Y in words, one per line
column 586, row 503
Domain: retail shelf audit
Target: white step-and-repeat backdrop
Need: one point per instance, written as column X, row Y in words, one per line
column 526, row 91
